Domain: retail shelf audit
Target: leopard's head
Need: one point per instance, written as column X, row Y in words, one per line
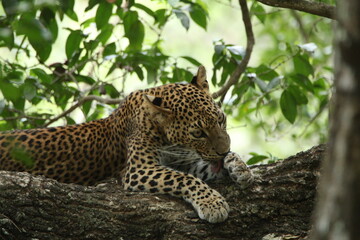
column 189, row 117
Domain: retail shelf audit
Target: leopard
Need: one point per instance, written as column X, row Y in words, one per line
column 170, row 139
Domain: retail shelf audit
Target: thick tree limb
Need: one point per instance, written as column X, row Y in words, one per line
column 240, row 68
column 313, row 7
column 338, row 209
column 280, row 202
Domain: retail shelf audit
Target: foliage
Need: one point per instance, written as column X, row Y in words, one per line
column 122, row 40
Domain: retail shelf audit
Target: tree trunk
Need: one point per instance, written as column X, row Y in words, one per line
column 338, row 210
column 279, row 203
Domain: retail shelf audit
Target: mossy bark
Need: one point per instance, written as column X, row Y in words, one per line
column 279, row 203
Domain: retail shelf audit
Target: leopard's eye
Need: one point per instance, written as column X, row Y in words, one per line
column 222, row 120
column 199, row 133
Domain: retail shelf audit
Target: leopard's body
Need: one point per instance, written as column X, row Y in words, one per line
column 166, row 139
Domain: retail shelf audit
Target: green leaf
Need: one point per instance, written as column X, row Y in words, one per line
column 266, row 73
column 184, row 19
column 10, row 92
column 43, row 50
column 72, row 15
column 256, row 159
column 299, row 96
column 73, row 43
column 134, row 30
column 15, row 77
column 145, row 9
column 130, row 18
column 288, row 106
column 68, row 8
column 139, row 72
column 92, row 3
column 86, row 107
column 47, row 17
column 137, row 35
column 10, row 7
column 85, row 79
column 302, row 65
column 88, row 22
column 303, row 82
column 39, row 36
column 103, row 14
column 214, row 78
column 29, row 89
column 110, row 49
column 7, row 36
column 151, row 74
column 161, row 17
column 42, row 75
column 112, row 91
column 70, row 121
column 6, row 126
column 198, row 15
column 105, row 34
column 191, row 60
column 181, row 75
column 259, row 11
column 228, row 69
column 19, row 103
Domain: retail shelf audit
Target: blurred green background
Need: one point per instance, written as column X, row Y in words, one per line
column 54, row 53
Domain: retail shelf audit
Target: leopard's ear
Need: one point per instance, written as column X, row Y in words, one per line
column 200, row 79
column 157, row 112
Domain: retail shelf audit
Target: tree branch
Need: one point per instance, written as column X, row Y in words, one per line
column 235, row 76
column 313, row 7
column 280, row 202
column 81, row 102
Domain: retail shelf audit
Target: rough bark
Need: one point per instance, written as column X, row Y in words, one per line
column 338, row 209
column 280, row 202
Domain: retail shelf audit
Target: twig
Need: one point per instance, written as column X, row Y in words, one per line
column 20, row 46
column 312, row 120
column 22, row 116
column 81, row 102
column 235, row 76
column 312, row 7
column 300, row 23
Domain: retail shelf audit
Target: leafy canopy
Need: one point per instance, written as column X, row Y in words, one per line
column 114, row 40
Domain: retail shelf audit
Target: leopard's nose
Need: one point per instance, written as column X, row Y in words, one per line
column 223, row 154
column 222, row 147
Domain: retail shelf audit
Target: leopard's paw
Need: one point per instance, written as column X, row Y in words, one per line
column 213, row 208
column 239, row 172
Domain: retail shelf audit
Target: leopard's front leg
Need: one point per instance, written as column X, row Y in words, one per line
column 238, row 171
column 232, row 165
column 152, row 177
